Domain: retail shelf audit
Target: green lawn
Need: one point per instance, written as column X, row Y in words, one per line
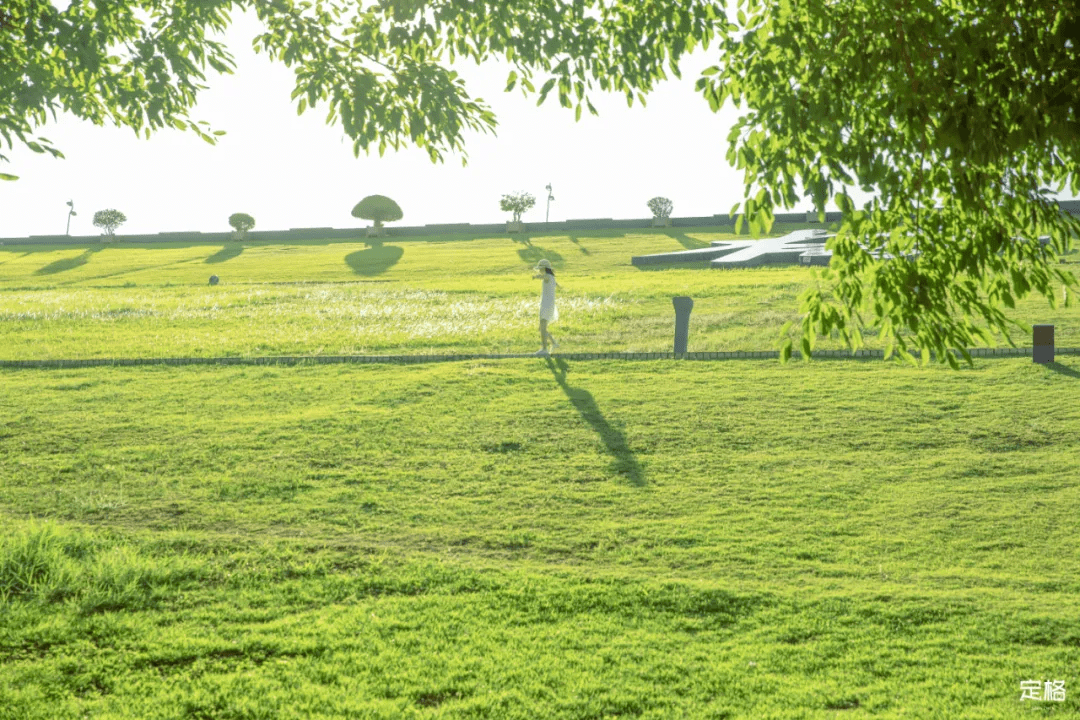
column 529, row 539
column 521, row 538
column 417, row 296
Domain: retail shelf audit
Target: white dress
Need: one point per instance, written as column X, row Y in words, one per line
column 548, row 311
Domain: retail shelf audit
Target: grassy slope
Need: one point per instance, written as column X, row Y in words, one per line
column 440, row 295
column 527, row 539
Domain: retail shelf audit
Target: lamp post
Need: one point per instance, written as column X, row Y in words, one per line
column 71, row 214
column 547, row 212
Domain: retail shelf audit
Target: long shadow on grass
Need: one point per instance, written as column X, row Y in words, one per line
column 1063, row 369
column 533, row 253
column 626, row 462
column 227, row 252
column 71, row 263
column 13, row 256
column 375, row 259
column 686, row 241
column 584, row 250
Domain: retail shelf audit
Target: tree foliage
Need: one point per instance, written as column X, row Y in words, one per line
column 109, row 220
column 958, row 117
column 241, row 223
column 136, row 64
column 378, row 208
column 660, row 207
column 517, row 203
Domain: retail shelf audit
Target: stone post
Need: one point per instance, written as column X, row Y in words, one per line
column 683, row 306
column 1042, row 342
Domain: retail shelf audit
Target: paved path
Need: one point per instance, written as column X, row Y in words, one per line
column 408, row 359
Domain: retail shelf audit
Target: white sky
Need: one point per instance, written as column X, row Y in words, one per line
column 289, row 171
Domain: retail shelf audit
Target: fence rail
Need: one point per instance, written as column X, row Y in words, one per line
column 456, row 357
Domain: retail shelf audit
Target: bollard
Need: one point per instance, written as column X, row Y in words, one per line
column 683, row 306
column 1042, row 342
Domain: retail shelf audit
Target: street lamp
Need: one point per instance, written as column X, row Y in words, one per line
column 71, row 214
column 550, row 198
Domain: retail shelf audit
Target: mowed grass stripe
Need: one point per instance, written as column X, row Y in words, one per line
column 456, row 357
column 530, row 538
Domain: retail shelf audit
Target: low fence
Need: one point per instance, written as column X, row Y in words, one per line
column 452, row 357
column 402, row 232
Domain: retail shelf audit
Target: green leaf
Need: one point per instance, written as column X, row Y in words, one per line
column 5, row 176
column 785, row 352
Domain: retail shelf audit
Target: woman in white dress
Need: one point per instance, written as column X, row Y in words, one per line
column 548, row 312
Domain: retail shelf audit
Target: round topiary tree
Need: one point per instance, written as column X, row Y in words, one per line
column 517, row 203
column 378, row 208
column 241, row 223
column 109, row 220
column 661, row 208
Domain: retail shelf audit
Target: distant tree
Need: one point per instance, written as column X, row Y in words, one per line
column 517, row 203
column 661, row 207
column 378, row 208
column 241, row 223
column 109, row 220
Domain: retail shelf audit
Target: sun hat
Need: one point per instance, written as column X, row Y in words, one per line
column 545, row 263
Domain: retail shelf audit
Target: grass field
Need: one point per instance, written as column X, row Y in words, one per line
column 516, row 539
column 434, row 296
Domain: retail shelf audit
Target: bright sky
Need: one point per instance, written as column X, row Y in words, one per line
column 289, row 171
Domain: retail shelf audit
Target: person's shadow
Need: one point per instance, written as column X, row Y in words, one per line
column 626, row 463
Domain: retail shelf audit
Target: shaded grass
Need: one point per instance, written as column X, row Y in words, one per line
column 226, row 253
column 464, row 539
column 375, row 260
column 67, row 263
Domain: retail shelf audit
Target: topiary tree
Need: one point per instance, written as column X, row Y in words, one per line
column 517, row 203
column 241, row 223
column 378, row 208
column 109, row 220
column 661, row 208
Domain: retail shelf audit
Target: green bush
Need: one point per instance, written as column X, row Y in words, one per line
column 109, row 220
column 241, row 223
column 660, row 207
column 517, row 203
column 378, row 208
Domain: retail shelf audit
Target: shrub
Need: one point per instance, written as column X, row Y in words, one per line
column 241, row 223
column 517, row 203
column 378, row 208
column 661, row 207
column 109, row 220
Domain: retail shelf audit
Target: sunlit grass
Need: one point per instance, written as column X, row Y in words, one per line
column 530, row 539
column 517, row 539
column 415, row 296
